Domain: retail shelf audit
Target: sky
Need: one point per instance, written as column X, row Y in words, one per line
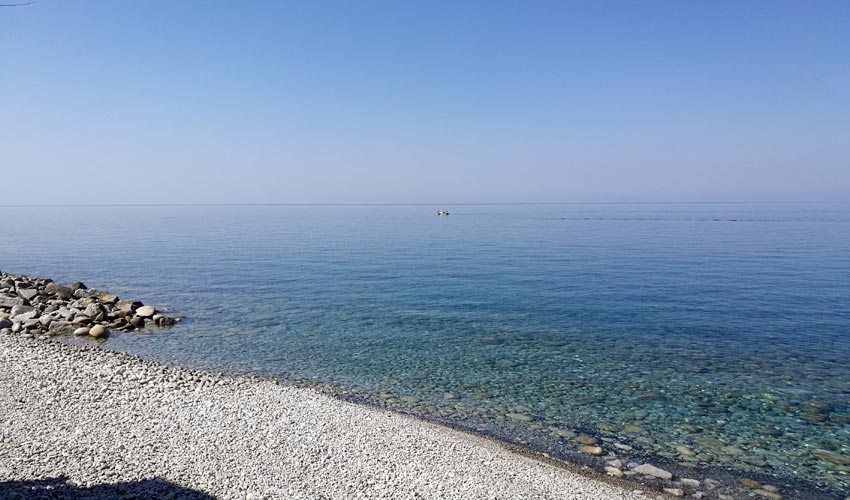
column 135, row 102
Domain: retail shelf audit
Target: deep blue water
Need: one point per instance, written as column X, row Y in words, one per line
column 722, row 328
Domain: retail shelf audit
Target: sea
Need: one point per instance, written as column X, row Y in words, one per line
column 710, row 338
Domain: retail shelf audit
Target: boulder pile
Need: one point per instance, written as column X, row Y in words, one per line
column 37, row 307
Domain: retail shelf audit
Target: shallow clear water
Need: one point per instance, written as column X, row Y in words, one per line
column 722, row 328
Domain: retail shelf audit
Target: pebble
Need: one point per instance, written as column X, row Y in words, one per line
column 651, row 470
column 588, row 440
column 749, row 483
column 98, row 331
column 676, row 492
column 592, row 450
column 613, row 471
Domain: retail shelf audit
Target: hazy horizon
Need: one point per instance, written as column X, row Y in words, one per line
column 438, row 103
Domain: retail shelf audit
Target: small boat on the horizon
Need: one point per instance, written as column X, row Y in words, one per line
column 442, row 212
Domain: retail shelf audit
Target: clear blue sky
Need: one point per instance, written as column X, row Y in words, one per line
column 366, row 101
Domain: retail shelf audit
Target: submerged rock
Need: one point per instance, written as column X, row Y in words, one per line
column 592, row 450
column 651, row 470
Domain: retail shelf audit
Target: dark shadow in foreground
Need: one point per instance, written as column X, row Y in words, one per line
column 56, row 488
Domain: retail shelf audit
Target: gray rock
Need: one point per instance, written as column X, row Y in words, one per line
column 16, row 326
column 146, row 311
column 62, row 327
column 58, row 290
column 10, row 301
column 98, row 331
column 81, row 331
column 92, row 310
column 676, row 492
column 166, row 321
column 5, row 323
column 613, row 471
column 27, row 293
column 27, row 315
column 129, row 306
column 651, row 470
column 16, row 310
column 77, row 285
column 108, row 298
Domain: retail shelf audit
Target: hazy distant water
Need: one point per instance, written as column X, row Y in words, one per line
column 723, row 328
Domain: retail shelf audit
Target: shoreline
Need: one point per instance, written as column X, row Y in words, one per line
column 600, row 459
column 98, row 417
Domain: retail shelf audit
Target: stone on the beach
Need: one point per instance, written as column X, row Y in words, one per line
column 92, row 310
column 146, row 311
column 108, row 298
column 623, row 447
column 694, row 483
column 613, row 471
column 5, row 323
column 616, row 463
column 588, row 440
column 651, row 470
column 98, row 331
column 129, row 306
column 749, row 483
column 81, row 331
column 10, row 301
column 676, row 492
column 20, row 309
column 81, row 319
column 592, row 450
column 27, row 293
column 26, row 315
column 16, row 327
column 137, row 321
column 62, row 326
column 768, row 494
column 78, row 285
column 60, row 291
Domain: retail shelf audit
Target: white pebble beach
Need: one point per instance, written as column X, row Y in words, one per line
column 90, row 423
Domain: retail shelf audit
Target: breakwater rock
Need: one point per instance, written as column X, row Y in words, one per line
column 39, row 307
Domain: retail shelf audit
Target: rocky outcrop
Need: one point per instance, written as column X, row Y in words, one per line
column 37, row 307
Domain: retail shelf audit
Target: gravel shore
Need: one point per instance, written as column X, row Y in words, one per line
column 87, row 423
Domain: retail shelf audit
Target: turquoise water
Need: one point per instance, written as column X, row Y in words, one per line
column 720, row 328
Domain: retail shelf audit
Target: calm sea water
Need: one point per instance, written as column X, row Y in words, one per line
column 712, row 336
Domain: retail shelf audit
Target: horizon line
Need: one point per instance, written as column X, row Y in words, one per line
column 412, row 204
